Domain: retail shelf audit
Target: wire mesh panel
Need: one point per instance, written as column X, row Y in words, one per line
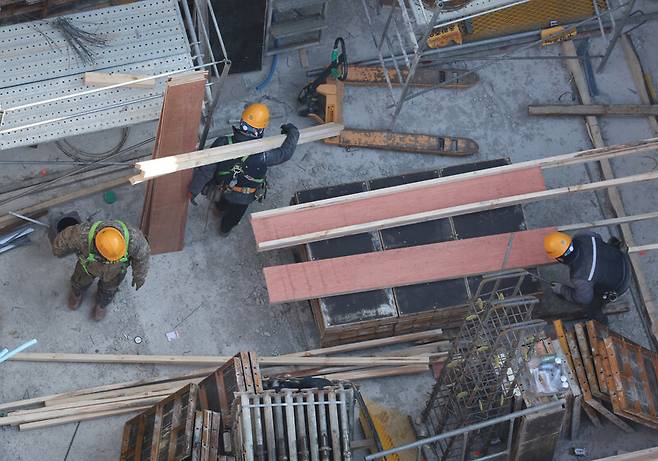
column 477, row 382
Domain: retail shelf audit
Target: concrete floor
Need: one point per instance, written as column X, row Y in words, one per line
column 213, row 292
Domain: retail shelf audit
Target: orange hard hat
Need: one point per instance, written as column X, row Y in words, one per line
column 110, row 243
column 556, row 244
column 256, row 115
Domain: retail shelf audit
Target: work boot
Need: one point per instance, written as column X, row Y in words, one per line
column 74, row 300
column 99, row 312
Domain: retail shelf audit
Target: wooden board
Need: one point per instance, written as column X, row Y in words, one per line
column 403, row 203
column 159, row 167
column 634, row 372
column 635, row 110
column 103, row 79
column 406, row 266
column 588, row 361
column 164, row 213
column 595, row 339
column 423, row 78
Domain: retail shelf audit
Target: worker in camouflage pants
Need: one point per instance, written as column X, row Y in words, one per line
column 105, row 249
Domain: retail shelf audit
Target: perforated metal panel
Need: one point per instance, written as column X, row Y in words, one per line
column 145, row 38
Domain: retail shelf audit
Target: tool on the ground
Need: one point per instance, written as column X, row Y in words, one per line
column 26, row 218
column 322, row 101
column 21, row 348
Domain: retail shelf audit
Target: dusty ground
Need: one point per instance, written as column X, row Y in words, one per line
column 213, row 293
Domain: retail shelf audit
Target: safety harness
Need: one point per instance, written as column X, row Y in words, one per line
column 91, row 256
column 236, row 171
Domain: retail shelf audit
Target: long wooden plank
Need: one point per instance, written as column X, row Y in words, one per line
column 76, row 418
column 164, row 213
column 404, row 203
column 576, row 158
column 453, row 211
column 20, row 419
column 420, row 336
column 596, row 136
column 634, row 110
column 599, row 360
column 103, row 79
column 212, row 360
column 635, row 67
column 159, row 167
column 406, row 266
column 650, row 454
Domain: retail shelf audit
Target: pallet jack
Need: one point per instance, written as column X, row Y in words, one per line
column 322, row 101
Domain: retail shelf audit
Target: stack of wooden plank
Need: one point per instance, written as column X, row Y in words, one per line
column 617, row 376
column 126, row 397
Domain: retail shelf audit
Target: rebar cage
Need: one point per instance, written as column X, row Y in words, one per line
column 478, row 379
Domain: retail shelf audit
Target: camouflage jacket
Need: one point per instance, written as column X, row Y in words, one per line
column 74, row 240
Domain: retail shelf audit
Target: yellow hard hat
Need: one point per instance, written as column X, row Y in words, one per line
column 110, row 243
column 256, row 115
column 556, row 244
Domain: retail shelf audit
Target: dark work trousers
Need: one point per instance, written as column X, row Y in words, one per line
column 81, row 281
column 231, row 212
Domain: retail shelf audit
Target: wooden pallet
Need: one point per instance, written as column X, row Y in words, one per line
column 164, row 431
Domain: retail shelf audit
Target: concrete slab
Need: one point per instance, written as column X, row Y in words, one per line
column 213, row 293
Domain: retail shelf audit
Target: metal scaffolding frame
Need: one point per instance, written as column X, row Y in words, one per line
column 478, row 380
column 399, row 50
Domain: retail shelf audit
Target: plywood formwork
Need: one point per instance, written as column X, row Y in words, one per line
column 406, row 266
column 164, row 214
column 369, row 209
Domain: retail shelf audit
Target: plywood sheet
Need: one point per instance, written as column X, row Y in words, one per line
column 406, row 266
column 164, row 214
column 308, row 220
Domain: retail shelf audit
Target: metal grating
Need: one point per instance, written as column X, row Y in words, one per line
column 146, row 38
column 533, row 15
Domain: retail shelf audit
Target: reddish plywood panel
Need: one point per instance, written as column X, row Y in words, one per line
column 406, row 266
column 164, row 214
column 402, row 203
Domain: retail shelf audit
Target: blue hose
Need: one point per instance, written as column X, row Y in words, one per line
column 262, row 85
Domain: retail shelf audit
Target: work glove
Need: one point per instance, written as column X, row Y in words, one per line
column 288, row 128
column 191, row 197
column 137, row 283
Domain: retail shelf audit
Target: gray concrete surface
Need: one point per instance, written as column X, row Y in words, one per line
column 213, row 292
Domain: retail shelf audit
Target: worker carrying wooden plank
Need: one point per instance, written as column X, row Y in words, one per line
column 600, row 272
column 105, row 249
column 241, row 181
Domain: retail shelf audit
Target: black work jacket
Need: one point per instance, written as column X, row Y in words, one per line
column 253, row 168
column 595, row 269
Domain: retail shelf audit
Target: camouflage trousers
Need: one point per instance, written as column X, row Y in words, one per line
column 81, row 281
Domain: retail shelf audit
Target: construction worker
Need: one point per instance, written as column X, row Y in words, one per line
column 105, row 249
column 241, row 181
column 599, row 271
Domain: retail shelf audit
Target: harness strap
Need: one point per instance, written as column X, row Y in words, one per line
column 91, row 255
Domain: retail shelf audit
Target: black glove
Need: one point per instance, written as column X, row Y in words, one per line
column 288, row 128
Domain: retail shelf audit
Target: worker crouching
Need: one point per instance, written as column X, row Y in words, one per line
column 242, row 180
column 105, row 249
column 599, row 271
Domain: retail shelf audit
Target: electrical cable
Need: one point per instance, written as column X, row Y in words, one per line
column 75, row 171
column 78, row 154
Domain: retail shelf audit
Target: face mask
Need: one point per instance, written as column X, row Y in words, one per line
column 250, row 130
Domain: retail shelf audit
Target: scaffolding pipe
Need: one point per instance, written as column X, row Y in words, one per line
column 465, row 429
